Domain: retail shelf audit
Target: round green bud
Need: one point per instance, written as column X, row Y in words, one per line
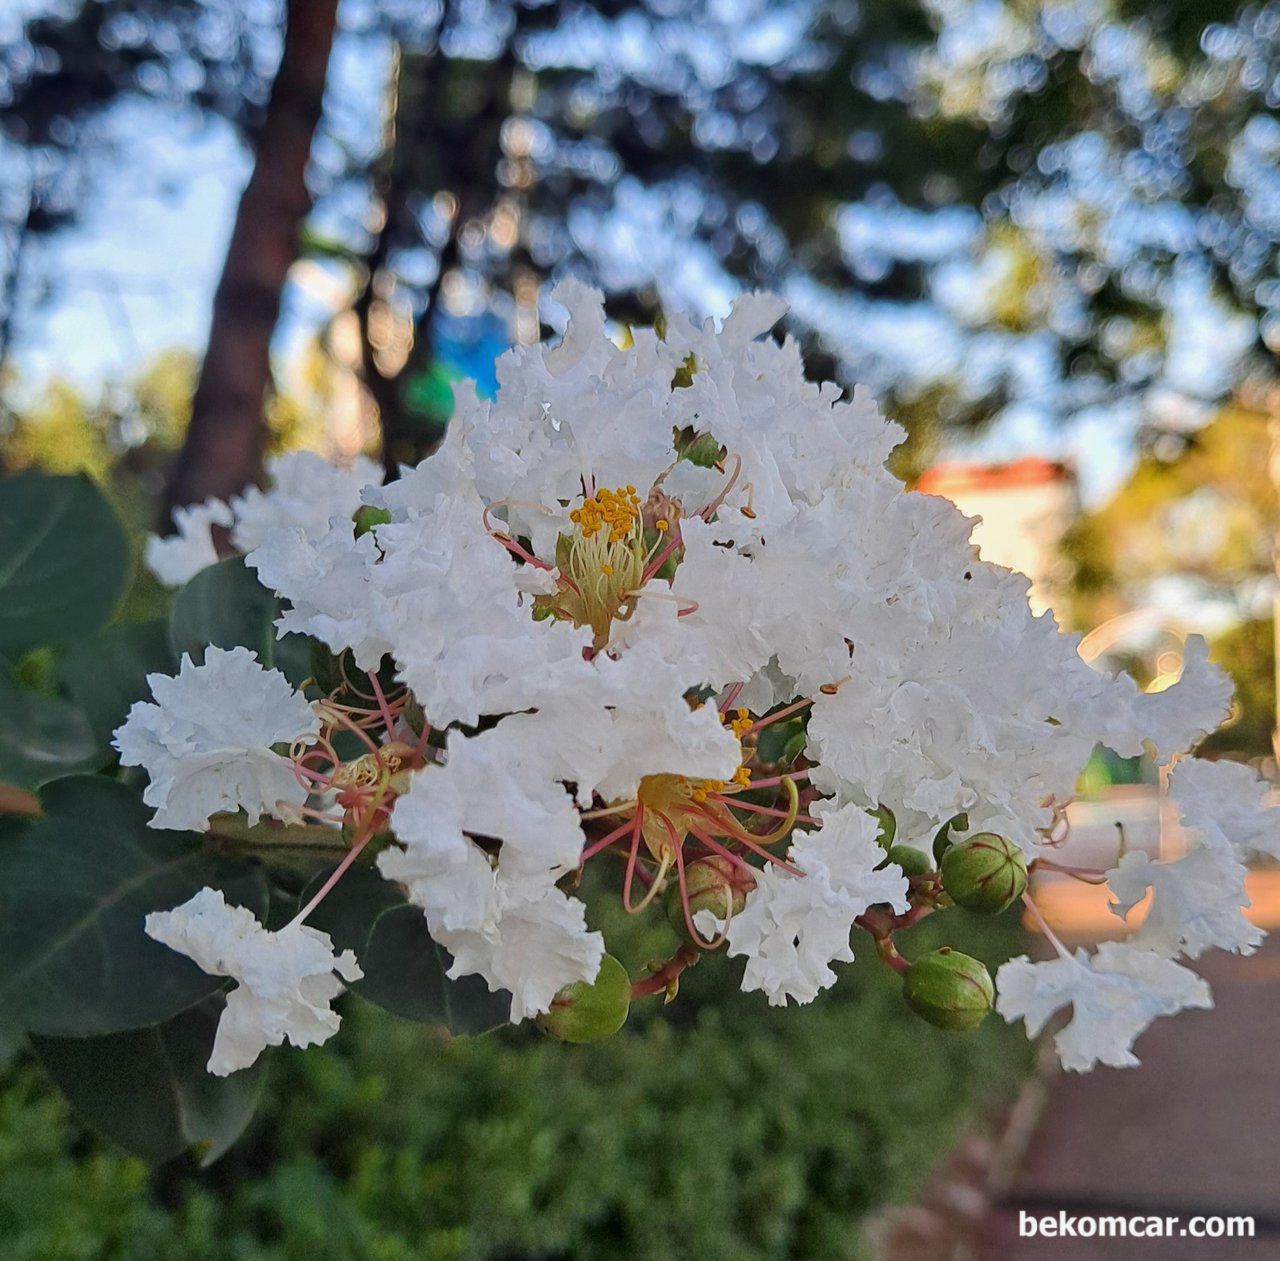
column 949, row 989
column 367, row 516
column 984, row 873
column 714, row 884
column 912, row 861
column 588, row 1011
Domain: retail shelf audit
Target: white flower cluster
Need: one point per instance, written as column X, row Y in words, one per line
column 1196, row 904
column 305, row 490
column 625, row 534
column 206, row 742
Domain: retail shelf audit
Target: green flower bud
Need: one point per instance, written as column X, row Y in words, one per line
column 712, row 884
column 588, row 1011
column 367, row 516
column 949, row 989
column 912, row 861
column 984, row 873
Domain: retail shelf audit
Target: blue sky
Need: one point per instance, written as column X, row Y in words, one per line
column 136, row 275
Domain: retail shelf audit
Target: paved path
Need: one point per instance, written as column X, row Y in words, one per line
column 1194, row 1131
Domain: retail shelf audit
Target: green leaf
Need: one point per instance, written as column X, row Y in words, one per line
column 404, row 969
column 64, row 560
column 75, row 887
column 42, row 737
column 108, row 673
column 149, row 1090
column 11, row 1040
column 224, row 605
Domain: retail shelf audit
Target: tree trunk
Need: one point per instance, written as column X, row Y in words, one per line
column 224, row 444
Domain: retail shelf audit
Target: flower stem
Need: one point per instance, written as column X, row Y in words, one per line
column 664, row 980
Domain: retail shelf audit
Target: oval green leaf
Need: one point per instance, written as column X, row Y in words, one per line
column 76, row 885
column 149, row 1090
column 224, row 605
column 64, row 560
column 107, row 673
column 42, row 737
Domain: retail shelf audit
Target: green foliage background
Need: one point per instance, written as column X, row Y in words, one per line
column 717, row 1128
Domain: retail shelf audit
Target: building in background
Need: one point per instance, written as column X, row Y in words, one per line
column 1026, row 507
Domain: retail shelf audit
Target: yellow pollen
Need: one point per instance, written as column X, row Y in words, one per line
column 661, row 526
column 742, row 722
column 742, row 777
column 618, row 510
column 607, row 569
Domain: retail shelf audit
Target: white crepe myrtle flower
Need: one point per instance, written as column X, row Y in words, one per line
column 176, row 558
column 1198, row 900
column 206, row 740
column 1196, row 903
column 1223, row 806
column 1114, row 994
column 285, row 980
column 327, row 579
column 304, row 492
column 499, row 915
column 662, row 607
column 798, row 920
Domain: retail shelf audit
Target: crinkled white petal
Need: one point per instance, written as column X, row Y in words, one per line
column 1196, row 902
column 459, row 624
column 494, row 785
column 1223, row 804
column 503, row 916
column 206, row 741
column 328, row 577
column 793, row 927
column 1173, row 719
column 176, row 558
column 1114, row 994
column 286, row 979
column 536, row 944
column 305, row 492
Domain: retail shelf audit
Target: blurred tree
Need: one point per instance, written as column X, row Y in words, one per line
column 64, row 69
column 1198, row 511
column 982, row 208
column 1193, row 529
column 979, row 209
column 60, row 432
column 224, row 444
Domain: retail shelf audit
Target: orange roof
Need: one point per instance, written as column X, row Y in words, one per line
column 954, row 476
